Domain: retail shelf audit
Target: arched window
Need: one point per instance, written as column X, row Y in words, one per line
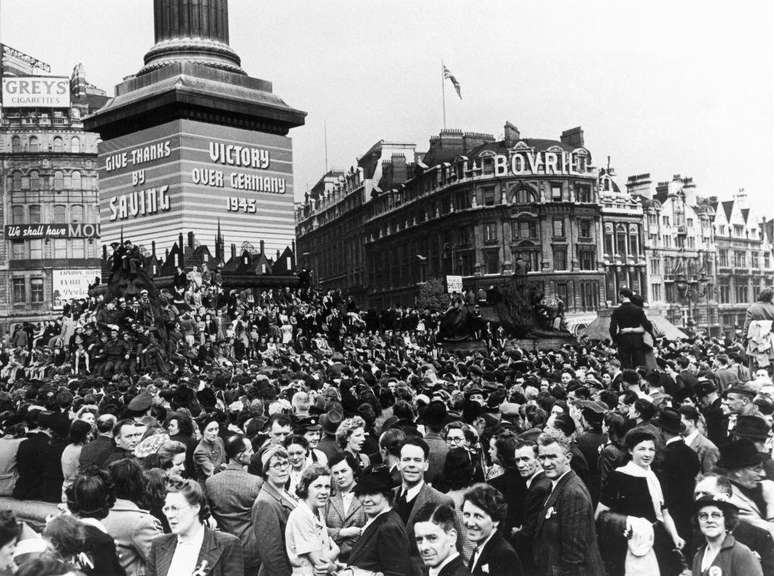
column 17, row 180
column 609, row 238
column 75, row 145
column 75, row 180
column 16, row 144
column 524, row 196
column 34, row 180
column 634, row 240
column 620, row 240
column 76, row 213
column 58, row 180
column 58, row 144
column 35, row 214
column 34, row 144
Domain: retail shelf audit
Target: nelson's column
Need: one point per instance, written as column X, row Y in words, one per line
column 191, row 141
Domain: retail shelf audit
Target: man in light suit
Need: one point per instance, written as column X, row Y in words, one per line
column 435, row 531
column 565, row 542
column 414, row 493
column 231, row 494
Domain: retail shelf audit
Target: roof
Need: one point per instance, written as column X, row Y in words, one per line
column 745, row 214
column 728, row 207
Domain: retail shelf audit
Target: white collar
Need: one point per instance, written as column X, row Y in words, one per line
column 673, row 440
column 691, row 437
column 369, row 522
column 555, row 482
column 531, row 479
column 94, row 522
column 437, row 570
column 479, row 549
column 193, row 540
column 412, row 493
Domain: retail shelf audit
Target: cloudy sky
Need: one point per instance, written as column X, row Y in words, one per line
column 666, row 87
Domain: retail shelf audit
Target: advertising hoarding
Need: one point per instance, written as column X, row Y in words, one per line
column 69, row 284
column 36, row 92
column 50, row 231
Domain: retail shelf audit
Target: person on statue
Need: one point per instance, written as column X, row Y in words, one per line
column 628, row 325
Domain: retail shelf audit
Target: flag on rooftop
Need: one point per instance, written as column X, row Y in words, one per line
column 447, row 74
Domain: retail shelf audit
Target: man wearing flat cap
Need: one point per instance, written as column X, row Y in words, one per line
column 757, row 431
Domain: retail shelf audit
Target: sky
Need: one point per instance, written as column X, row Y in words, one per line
column 665, row 87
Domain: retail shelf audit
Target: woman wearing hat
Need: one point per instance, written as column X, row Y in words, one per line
column 383, row 547
column 721, row 554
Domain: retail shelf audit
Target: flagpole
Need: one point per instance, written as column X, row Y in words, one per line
column 443, row 95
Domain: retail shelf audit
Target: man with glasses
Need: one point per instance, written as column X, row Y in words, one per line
column 750, row 493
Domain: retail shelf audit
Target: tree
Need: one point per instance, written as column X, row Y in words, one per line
column 432, row 295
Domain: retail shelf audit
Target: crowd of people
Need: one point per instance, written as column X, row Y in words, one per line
column 286, row 432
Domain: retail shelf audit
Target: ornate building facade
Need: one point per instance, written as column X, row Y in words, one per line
column 470, row 206
column 51, row 248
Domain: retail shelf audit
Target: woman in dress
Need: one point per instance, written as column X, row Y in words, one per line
column 351, row 438
column 309, row 547
column 192, row 548
column 631, row 509
column 721, row 553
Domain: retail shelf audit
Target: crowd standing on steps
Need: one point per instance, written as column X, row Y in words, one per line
column 288, row 432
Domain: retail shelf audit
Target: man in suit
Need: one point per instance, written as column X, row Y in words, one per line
column 706, row 451
column 483, row 509
column 565, row 542
column 231, row 494
column 628, row 324
column 413, row 493
column 95, row 452
column 435, row 533
column 538, row 489
column 32, row 456
column 711, row 405
column 434, row 418
column 679, row 469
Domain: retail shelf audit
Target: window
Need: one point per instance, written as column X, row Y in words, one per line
column 58, row 180
column 17, row 180
column 60, row 214
column 561, row 293
column 738, row 231
column 34, row 144
column 754, row 259
column 492, row 262
column 18, row 250
column 667, row 241
column 558, row 227
column 583, row 193
column 530, row 257
column 17, row 214
column 589, row 295
column 655, row 266
column 60, row 248
column 756, row 293
column 75, row 145
column 76, row 213
column 689, row 222
column 35, row 214
column 655, row 292
column 16, row 144
column 79, row 248
column 725, row 294
column 490, row 232
column 741, row 294
column 587, row 259
column 75, row 180
column 634, row 240
column 766, row 260
column 524, row 230
column 524, row 196
column 620, row 241
column 609, row 239
column 670, row 293
column 36, row 290
column 58, row 144
column 560, row 258
column 740, row 258
column 34, row 180
column 665, row 220
column 19, row 291
column 36, row 249
column 489, row 196
column 585, row 228
column 723, row 257
column 464, row 237
column 556, row 192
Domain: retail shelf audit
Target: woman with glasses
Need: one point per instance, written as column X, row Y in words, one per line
column 721, row 553
column 192, row 548
column 271, row 510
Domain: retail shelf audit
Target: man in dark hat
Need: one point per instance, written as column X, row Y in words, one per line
column 628, row 325
column 679, row 469
column 752, row 494
column 757, row 431
column 434, row 418
column 330, row 423
column 32, row 456
column 712, row 409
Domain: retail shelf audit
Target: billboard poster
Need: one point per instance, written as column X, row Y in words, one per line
column 454, row 284
column 36, row 92
column 69, row 284
column 50, row 231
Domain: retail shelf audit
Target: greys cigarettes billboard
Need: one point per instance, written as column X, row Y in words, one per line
column 36, row 92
